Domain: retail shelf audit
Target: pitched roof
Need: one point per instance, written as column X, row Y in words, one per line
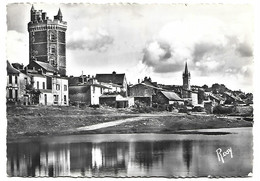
column 46, row 66
column 114, row 78
column 101, row 86
column 109, row 95
column 143, row 84
column 172, row 96
column 11, row 69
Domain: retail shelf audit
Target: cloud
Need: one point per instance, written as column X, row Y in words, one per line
column 17, row 47
column 160, row 57
column 208, row 44
column 244, row 50
column 93, row 40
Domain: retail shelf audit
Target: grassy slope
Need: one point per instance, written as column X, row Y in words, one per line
column 170, row 124
column 54, row 120
column 31, row 121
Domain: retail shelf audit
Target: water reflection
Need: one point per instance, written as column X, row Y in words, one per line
column 171, row 157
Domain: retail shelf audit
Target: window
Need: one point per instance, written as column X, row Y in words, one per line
column 52, row 37
column 52, row 50
column 10, row 79
column 37, row 84
column 26, row 80
column 65, row 99
column 65, row 87
column 16, row 95
column 57, row 86
column 15, row 79
column 93, row 89
column 56, row 99
column 10, row 93
column 43, row 85
column 101, row 90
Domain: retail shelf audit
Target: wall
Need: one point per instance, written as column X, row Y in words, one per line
column 140, row 90
column 95, row 94
column 194, row 98
column 80, row 94
column 40, row 79
column 20, row 86
column 145, row 100
column 160, row 99
column 109, row 101
column 58, row 88
column 208, row 107
column 50, row 98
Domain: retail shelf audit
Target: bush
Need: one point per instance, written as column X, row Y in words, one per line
column 223, row 110
column 142, row 108
column 183, row 110
column 198, row 109
column 94, row 105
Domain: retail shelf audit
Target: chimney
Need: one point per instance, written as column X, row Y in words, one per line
column 44, row 16
column 138, row 81
column 26, row 70
column 82, row 78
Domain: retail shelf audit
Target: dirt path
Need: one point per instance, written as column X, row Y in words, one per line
column 111, row 123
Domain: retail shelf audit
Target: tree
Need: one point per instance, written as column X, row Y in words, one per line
column 34, row 93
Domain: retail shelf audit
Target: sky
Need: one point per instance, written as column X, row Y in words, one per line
column 149, row 40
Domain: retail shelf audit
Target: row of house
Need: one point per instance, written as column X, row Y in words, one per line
column 37, row 83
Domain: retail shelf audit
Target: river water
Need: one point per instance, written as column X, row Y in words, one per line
column 126, row 155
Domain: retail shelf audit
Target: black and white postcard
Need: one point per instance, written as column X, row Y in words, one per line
column 129, row 90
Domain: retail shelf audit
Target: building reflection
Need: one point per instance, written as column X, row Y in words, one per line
column 147, row 158
column 82, row 159
column 187, row 153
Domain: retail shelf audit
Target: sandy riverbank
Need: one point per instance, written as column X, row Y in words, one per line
column 36, row 120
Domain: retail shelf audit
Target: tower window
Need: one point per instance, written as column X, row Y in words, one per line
column 10, row 93
column 52, row 50
column 15, row 79
column 10, row 79
column 16, row 95
column 52, row 37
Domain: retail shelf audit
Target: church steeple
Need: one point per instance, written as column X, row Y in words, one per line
column 186, row 82
column 32, row 8
column 186, row 69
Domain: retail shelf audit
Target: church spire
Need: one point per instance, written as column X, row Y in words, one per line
column 186, row 69
column 32, row 8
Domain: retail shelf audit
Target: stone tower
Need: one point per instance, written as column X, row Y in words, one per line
column 186, row 82
column 47, row 39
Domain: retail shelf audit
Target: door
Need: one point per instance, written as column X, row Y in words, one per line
column 45, row 99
